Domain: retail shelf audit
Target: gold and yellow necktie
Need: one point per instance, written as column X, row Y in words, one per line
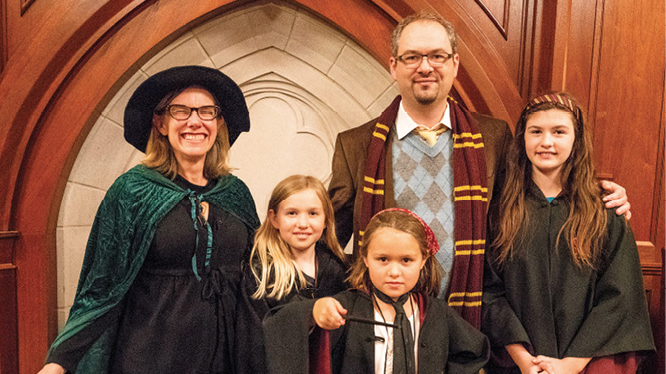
column 431, row 135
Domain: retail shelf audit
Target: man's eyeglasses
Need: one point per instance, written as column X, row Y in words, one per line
column 183, row 112
column 435, row 59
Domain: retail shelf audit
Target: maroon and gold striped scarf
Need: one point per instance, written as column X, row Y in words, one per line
column 470, row 202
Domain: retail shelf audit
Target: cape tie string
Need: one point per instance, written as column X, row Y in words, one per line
column 199, row 220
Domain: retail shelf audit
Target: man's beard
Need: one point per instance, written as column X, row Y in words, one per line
column 426, row 97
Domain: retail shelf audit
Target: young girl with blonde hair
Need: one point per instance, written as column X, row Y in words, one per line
column 295, row 255
column 563, row 289
column 389, row 322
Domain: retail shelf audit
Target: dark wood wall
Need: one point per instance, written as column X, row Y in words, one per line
column 62, row 60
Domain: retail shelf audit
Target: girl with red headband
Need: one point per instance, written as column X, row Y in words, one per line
column 390, row 322
column 563, row 289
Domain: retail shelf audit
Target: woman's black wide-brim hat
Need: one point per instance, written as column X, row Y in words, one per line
column 139, row 110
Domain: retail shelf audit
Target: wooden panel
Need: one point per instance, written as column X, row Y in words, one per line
column 7, row 239
column 506, row 27
column 653, row 281
column 629, row 98
column 8, row 321
column 579, row 75
column 25, row 4
column 658, row 230
column 8, row 313
column 3, row 34
column 498, row 13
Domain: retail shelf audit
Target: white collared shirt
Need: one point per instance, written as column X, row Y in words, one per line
column 384, row 341
column 404, row 124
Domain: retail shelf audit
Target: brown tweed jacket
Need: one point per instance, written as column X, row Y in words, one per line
column 351, row 149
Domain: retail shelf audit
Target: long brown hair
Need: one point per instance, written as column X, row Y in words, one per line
column 276, row 272
column 159, row 153
column 585, row 225
column 430, row 276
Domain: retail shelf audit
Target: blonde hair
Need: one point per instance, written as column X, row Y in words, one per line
column 160, row 155
column 272, row 262
column 430, row 276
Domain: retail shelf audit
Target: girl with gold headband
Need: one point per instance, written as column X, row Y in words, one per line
column 563, row 289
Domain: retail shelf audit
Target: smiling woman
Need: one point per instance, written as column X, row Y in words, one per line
column 190, row 136
column 157, row 289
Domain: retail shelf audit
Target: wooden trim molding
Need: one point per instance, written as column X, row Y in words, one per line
column 3, row 34
column 8, row 312
column 7, row 242
column 504, row 23
column 25, row 4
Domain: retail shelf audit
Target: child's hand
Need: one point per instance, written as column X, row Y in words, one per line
column 328, row 312
column 567, row 365
column 523, row 359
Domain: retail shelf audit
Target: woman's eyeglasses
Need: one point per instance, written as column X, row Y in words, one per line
column 183, row 112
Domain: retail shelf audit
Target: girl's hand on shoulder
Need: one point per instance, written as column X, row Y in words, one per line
column 328, row 312
column 567, row 365
column 52, row 368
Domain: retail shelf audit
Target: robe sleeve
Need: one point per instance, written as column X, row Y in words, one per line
column 70, row 352
column 618, row 321
column 499, row 321
column 286, row 336
column 469, row 349
column 249, row 352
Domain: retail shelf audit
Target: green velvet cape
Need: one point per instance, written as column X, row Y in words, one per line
column 121, row 234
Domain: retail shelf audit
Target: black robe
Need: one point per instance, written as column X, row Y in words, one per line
column 446, row 342
column 542, row 299
column 249, row 348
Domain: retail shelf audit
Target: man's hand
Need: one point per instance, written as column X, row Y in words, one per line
column 617, row 197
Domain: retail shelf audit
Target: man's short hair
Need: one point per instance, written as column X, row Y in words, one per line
column 427, row 17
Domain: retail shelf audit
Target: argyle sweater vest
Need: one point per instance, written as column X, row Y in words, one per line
column 423, row 183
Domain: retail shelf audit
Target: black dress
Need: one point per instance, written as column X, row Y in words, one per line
column 249, row 348
column 171, row 322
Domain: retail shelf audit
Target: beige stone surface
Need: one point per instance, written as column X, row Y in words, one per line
column 384, row 100
column 271, row 25
column 315, row 43
column 115, row 110
column 363, row 77
column 86, row 199
column 102, row 157
column 227, row 38
column 184, row 51
column 73, row 240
